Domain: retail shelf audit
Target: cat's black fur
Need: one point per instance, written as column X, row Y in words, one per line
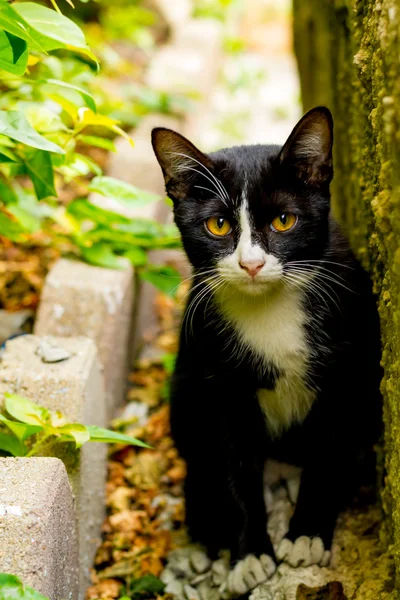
column 217, row 422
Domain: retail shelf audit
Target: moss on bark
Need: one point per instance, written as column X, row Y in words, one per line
column 349, row 59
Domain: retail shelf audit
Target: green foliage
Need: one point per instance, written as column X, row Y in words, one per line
column 12, row 588
column 27, row 428
column 52, row 113
column 145, row 586
column 214, row 9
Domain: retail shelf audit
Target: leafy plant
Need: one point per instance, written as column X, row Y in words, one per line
column 12, row 588
column 50, row 124
column 27, row 428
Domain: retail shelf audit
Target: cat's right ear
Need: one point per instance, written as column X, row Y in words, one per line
column 181, row 162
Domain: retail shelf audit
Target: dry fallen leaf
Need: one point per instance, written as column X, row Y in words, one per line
column 158, row 425
column 332, row 591
column 108, row 588
column 127, row 521
column 120, row 499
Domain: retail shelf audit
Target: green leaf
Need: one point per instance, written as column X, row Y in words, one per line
column 14, row 23
column 164, row 278
column 77, row 432
column 41, row 118
column 10, row 443
column 102, row 255
column 88, row 98
column 98, row 434
column 148, row 583
column 55, row 30
column 26, row 411
column 121, row 191
column 141, row 227
column 11, row 588
column 14, row 124
column 91, row 165
column 13, row 53
column 29, row 222
column 21, row 430
column 83, row 209
column 8, row 155
column 40, row 170
column 7, row 194
column 136, row 255
column 99, row 142
column 10, row 229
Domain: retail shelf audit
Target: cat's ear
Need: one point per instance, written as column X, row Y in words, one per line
column 308, row 150
column 179, row 160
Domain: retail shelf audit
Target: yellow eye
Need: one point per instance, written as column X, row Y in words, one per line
column 284, row 222
column 218, row 226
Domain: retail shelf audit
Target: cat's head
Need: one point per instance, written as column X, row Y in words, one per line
column 248, row 214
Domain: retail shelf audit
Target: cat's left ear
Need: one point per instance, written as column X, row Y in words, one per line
column 308, row 150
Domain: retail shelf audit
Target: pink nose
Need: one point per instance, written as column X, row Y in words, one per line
column 252, row 266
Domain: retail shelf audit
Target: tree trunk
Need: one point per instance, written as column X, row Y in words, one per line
column 349, row 60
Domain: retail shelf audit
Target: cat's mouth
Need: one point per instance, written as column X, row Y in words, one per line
column 259, row 284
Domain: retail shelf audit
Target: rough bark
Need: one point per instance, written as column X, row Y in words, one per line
column 349, row 59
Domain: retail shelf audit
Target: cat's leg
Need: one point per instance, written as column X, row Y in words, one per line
column 252, row 552
column 310, row 534
column 217, row 430
column 326, row 484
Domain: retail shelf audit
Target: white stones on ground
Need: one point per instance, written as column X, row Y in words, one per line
column 137, row 412
column 278, row 519
column 248, row 573
column 168, row 506
column 51, row 352
column 293, row 487
column 207, row 591
column 38, row 538
column 264, row 592
column 303, row 552
column 191, row 593
column 175, row 588
column 220, row 570
column 179, row 562
column 200, row 561
column 97, row 303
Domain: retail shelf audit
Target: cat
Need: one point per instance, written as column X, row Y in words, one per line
column 279, row 346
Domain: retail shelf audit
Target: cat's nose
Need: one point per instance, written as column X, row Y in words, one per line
column 252, row 266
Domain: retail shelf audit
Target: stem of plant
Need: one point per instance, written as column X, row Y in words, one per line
column 37, row 447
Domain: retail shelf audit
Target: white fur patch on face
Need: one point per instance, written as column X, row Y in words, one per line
column 247, row 574
column 248, row 252
column 304, row 552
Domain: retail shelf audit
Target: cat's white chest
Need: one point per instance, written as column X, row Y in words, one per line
column 273, row 328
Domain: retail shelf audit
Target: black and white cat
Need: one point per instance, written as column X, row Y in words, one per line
column 279, row 348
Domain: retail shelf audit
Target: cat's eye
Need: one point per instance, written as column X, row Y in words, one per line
column 284, row 222
column 218, row 226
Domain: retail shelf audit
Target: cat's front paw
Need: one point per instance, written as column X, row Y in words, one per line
column 303, row 552
column 247, row 574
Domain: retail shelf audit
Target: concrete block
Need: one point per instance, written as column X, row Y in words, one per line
column 82, row 300
column 74, row 386
column 38, row 538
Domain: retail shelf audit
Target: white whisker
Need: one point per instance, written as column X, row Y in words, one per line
column 218, row 183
